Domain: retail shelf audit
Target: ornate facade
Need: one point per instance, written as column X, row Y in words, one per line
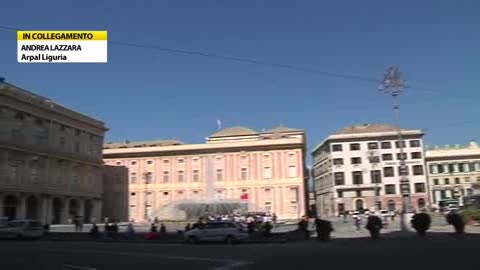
column 454, row 172
column 264, row 169
column 50, row 159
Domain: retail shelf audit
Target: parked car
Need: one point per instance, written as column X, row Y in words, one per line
column 22, row 229
column 385, row 213
column 228, row 232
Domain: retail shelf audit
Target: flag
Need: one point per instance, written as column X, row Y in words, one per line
column 244, row 196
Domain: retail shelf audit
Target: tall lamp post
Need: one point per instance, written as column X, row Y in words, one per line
column 393, row 84
column 374, row 160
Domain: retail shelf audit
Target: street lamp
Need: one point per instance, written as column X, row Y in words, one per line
column 374, row 160
column 393, row 84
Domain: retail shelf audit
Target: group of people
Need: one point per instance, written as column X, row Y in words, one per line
column 323, row 228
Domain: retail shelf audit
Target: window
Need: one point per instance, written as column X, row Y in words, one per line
column 339, row 178
column 133, row 178
column 336, row 147
column 77, row 132
column 416, row 155
column 166, row 177
column 471, row 167
column 219, row 175
column 267, row 172
column 19, row 116
column 375, row 177
column 180, row 160
column 149, row 177
column 403, row 144
column 165, row 193
column 166, row 161
column 357, row 178
column 451, row 168
column 461, row 167
column 401, row 156
column 292, row 171
column 196, row 176
column 340, row 194
column 39, row 122
column 181, row 176
column 386, row 145
column 372, row 145
column 387, row 157
column 419, row 187
column 13, row 171
column 403, row 170
column 414, row 143
column 356, row 160
column 354, row 146
column 134, row 163
column 388, row 172
column 467, row 179
column 435, row 182
column 441, row 168
column 77, row 147
column 338, row 161
column 417, row 169
column 149, row 162
column 244, row 173
column 359, row 193
column 446, row 181
column 457, row 181
column 62, row 142
column 390, row 189
column 119, row 163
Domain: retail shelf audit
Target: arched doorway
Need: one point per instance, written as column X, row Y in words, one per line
column 73, row 207
column 378, row 205
column 88, row 211
column 57, row 211
column 10, row 204
column 359, row 204
column 421, row 203
column 391, row 205
column 32, row 207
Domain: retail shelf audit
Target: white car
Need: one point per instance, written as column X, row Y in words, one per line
column 22, row 229
column 384, row 213
column 228, row 232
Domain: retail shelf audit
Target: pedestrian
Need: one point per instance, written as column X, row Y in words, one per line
column 358, row 222
column 163, row 229
column 323, row 228
column 130, row 231
column 94, row 230
column 267, row 230
column 153, row 228
column 188, row 227
column 274, row 219
column 303, row 227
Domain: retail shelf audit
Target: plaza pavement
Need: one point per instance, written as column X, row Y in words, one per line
column 439, row 251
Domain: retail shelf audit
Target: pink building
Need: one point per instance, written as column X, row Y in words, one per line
column 264, row 169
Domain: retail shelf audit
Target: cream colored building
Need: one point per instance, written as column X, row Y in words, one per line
column 453, row 172
column 50, row 159
column 264, row 169
column 359, row 168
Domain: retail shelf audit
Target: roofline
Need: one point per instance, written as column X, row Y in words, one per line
column 68, row 112
column 202, row 147
column 367, row 135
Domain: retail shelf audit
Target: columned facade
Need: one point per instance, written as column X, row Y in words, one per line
column 49, row 155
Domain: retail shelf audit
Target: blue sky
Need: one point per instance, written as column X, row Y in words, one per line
column 147, row 94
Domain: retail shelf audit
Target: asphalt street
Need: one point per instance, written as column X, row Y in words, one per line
column 436, row 251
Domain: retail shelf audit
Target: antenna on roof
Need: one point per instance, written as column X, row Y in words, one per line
column 219, row 124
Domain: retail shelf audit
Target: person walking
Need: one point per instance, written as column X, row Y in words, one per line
column 323, row 228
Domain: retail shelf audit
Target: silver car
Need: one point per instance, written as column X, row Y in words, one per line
column 228, row 232
column 22, row 229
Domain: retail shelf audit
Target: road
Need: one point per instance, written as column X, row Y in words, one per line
column 437, row 251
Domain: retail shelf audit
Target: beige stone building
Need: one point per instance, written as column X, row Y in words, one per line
column 359, row 168
column 115, row 195
column 453, row 172
column 50, row 159
column 266, row 170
